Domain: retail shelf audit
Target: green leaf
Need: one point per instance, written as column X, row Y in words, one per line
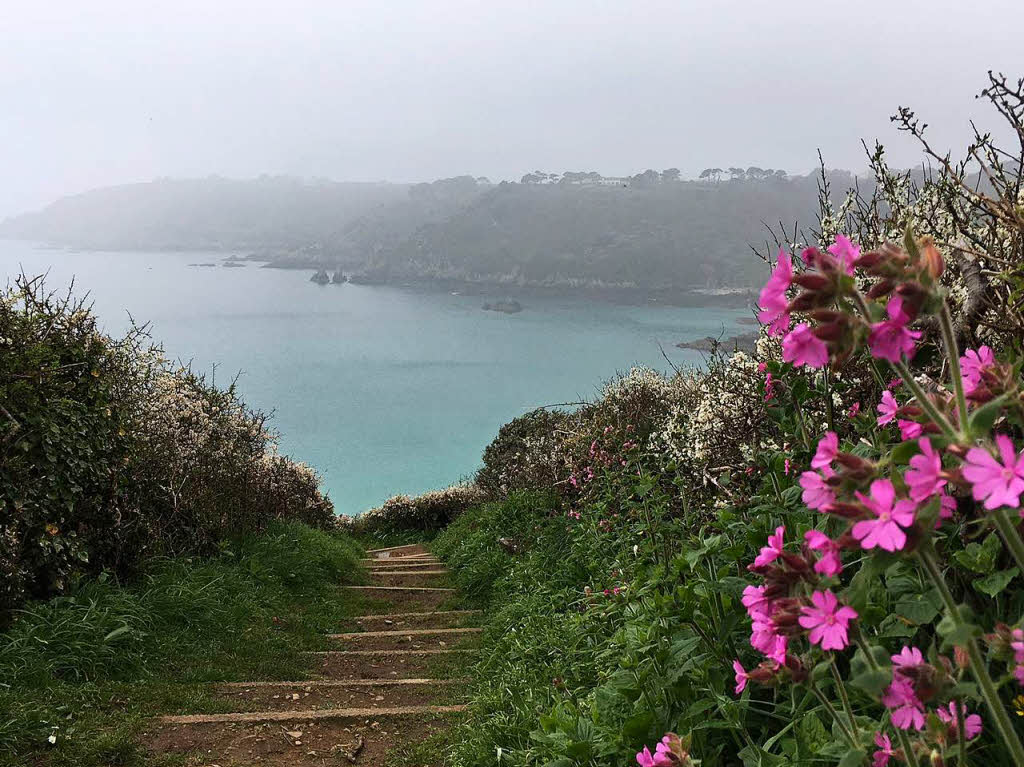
column 982, row 419
column 638, row 726
column 853, row 758
column 872, row 682
column 958, row 632
column 903, row 452
column 996, row 582
column 981, row 558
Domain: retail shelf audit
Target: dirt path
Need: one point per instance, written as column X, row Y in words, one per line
column 376, row 690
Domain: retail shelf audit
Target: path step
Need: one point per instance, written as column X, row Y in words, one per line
column 343, row 683
column 289, row 716
column 406, row 633
column 382, row 616
column 438, row 619
column 399, row 588
column 384, row 564
column 414, row 573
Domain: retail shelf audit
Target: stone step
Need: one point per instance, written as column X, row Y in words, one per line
column 389, row 564
column 415, row 578
column 414, row 639
column 408, row 620
column 335, row 693
column 408, row 589
column 341, row 683
column 405, row 598
column 389, row 664
column 400, row 633
column 409, row 574
column 308, row 716
column 408, row 550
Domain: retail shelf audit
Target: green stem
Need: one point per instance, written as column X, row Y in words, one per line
column 922, row 399
column 901, row 735
column 835, row 715
column 953, row 352
column 1010, row 535
column 845, row 698
column 926, row 556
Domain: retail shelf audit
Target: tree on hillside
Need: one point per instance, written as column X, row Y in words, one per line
column 714, row 174
column 670, row 174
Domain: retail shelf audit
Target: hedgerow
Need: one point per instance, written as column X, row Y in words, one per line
column 110, row 454
column 808, row 555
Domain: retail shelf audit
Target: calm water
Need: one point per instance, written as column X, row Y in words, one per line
column 384, row 390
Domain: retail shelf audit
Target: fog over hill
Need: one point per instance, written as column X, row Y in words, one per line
column 573, row 230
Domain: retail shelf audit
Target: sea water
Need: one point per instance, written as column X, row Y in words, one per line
column 382, row 389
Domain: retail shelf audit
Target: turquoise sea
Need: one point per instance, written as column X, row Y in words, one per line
column 384, row 390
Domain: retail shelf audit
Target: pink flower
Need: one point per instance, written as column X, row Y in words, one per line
column 891, row 516
column 829, row 564
column 817, row 493
column 741, row 676
column 802, row 347
column 900, row 698
column 924, row 477
column 761, row 367
column 972, row 365
column 845, row 252
column 786, row 466
column 998, row 484
column 885, row 751
column 769, row 387
column 772, row 300
column 908, row 657
column 827, row 620
column 777, row 651
column 764, row 634
column 755, row 601
column 854, row 410
column 947, row 505
column 909, row 429
column 828, row 448
column 891, row 340
column 644, row 758
column 887, row 408
column 972, row 723
column 772, row 551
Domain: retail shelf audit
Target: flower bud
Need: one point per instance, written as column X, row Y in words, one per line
column 814, row 281
column 931, row 258
column 881, row 288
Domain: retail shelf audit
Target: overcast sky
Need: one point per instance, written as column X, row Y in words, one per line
column 98, row 92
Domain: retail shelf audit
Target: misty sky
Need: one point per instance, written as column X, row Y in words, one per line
column 94, row 93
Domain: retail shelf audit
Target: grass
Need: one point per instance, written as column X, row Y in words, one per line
column 87, row 669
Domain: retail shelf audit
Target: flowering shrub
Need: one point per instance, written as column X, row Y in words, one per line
column 422, row 513
column 890, row 499
column 111, row 454
column 812, row 555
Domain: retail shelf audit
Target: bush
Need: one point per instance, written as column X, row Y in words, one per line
column 623, row 609
column 413, row 518
column 112, row 455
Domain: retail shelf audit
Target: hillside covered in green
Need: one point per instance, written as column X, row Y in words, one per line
column 565, row 231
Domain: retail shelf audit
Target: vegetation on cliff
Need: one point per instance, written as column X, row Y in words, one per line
column 807, row 555
column 110, row 454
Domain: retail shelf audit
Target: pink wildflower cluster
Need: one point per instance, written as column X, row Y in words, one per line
column 603, row 454
column 825, row 280
column 781, row 609
column 671, row 751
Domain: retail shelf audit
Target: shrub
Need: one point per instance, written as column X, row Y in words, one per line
column 111, row 454
column 866, row 470
column 418, row 515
